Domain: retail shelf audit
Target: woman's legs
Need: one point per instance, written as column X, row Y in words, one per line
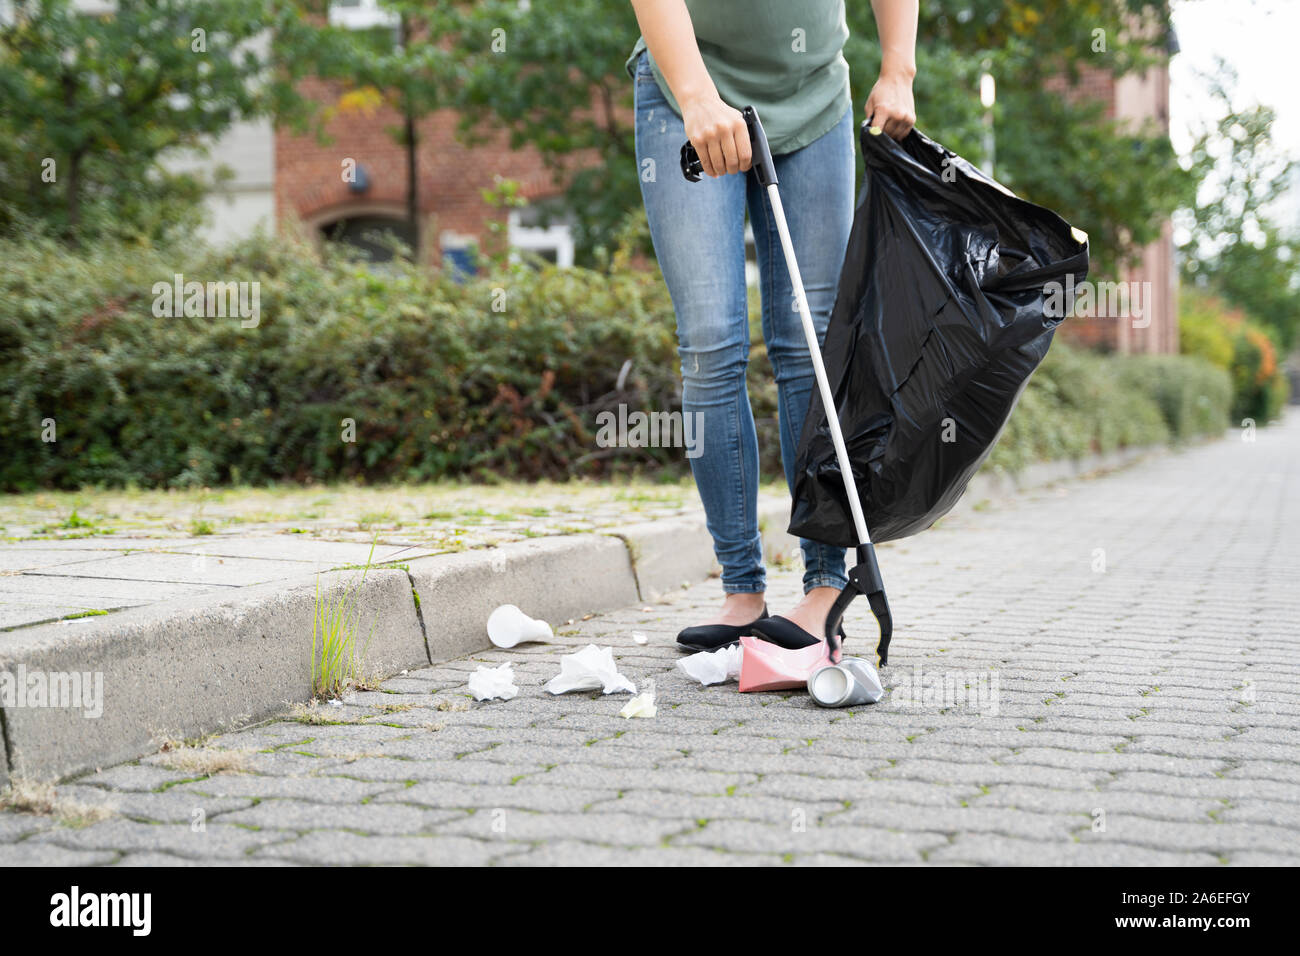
column 698, row 231
column 816, row 185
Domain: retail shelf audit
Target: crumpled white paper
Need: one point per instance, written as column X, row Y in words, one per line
column 489, row 683
column 643, row 704
column 713, row 667
column 591, row 668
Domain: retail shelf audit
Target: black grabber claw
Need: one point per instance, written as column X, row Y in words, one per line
column 864, row 578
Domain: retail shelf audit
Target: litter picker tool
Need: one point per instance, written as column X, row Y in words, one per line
column 864, row 578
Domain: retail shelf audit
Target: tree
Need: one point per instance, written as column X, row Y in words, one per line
column 552, row 75
column 94, row 103
column 1232, row 247
column 548, row 74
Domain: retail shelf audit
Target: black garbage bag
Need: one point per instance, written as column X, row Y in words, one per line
column 950, row 292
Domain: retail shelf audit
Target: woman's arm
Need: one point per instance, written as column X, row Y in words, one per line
column 890, row 106
column 717, row 131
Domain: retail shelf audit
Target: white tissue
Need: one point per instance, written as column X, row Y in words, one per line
column 591, row 668
column 713, row 667
column 642, row 705
column 488, row 683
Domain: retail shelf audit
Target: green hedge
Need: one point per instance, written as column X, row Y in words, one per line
column 438, row 382
column 1079, row 402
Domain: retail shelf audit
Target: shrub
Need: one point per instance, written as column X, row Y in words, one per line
column 1260, row 389
column 1205, row 327
column 1192, row 394
column 1081, row 402
column 1228, row 338
column 501, row 376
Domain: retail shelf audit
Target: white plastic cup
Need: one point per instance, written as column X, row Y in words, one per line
column 508, row 626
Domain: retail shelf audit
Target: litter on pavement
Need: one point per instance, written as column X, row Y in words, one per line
column 643, row 704
column 508, row 626
column 713, row 667
column 492, row 683
column 592, row 668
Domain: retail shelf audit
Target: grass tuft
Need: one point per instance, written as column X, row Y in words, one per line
column 43, row 799
column 204, row 761
column 336, row 661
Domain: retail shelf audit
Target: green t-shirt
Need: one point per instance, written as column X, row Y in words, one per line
column 782, row 58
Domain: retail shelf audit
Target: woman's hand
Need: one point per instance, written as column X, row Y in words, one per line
column 890, row 106
column 718, row 133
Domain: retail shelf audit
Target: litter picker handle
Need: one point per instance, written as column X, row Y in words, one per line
column 761, row 163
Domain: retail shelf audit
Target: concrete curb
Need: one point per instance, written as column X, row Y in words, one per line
column 178, row 669
column 4, row 752
column 552, row 579
column 182, row 668
column 669, row 554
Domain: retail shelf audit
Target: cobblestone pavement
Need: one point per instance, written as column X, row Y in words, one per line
column 1120, row 656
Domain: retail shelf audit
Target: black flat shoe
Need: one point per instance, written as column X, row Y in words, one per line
column 711, row 637
column 786, row 633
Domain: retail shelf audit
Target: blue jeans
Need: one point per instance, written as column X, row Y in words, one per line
column 698, row 231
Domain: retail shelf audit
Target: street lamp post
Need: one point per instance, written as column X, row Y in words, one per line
column 988, row 96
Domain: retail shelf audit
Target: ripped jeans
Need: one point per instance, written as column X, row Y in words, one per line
column 698, row 231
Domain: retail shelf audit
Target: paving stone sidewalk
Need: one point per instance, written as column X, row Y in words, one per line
column 1099, row 673
column 74, row 556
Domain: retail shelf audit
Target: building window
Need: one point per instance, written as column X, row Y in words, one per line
column 459, row 254
column 378, row 27
column 376, row 238
column 361, row 15
column 538, row 230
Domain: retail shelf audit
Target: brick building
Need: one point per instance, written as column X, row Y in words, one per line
column 1137, row 98
column 356, row 184
column 310, row 184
